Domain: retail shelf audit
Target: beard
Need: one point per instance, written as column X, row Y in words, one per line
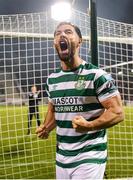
column 65, row 56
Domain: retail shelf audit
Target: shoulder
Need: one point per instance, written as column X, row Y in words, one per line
column 92, row 69
column 90, row 66
column 52, row 76
column 55, row 74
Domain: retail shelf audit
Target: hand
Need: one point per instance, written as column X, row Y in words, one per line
column 80, row 124
column 42, row 132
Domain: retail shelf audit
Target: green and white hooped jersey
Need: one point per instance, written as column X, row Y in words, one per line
column 79, row 92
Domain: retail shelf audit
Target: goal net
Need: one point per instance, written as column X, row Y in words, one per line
column 116, row 57
column 27, row 57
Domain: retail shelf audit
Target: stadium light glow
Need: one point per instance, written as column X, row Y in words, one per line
column 61, row 11
column 120, row 73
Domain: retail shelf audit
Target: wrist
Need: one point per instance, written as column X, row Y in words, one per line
column 90, row 125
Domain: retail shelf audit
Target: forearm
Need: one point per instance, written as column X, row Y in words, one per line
column 112, row 115
column 49, row 122
column 108, row 119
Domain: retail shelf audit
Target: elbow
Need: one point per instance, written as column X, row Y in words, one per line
column 120, row 116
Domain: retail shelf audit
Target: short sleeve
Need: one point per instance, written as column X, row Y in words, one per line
column 47, row 91
column 105, row 86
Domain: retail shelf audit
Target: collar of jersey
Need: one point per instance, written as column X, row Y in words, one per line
column 75, row 69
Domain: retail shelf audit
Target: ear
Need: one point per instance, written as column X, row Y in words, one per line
column 80, row 41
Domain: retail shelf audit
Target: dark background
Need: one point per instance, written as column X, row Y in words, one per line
column 28, row 69
column 119, row 10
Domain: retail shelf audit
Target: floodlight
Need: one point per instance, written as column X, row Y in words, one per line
column 120, row 73
column 61, row 11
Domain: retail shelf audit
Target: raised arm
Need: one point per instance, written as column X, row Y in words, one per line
column 49, row 123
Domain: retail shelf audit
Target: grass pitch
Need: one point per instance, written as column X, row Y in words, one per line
column 22, row 155
column 25, row 156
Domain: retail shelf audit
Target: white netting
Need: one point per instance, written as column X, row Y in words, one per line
column 27, row 57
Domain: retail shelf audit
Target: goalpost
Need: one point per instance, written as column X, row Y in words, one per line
column 27, row 57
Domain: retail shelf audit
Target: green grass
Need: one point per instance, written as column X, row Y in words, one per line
column 27, row 157
column 120, row 147
column 22, row 155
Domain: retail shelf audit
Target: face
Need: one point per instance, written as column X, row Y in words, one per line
column 34, row 89
column 66, row 42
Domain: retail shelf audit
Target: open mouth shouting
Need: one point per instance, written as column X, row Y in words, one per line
column 64, row 49
column 64, row 46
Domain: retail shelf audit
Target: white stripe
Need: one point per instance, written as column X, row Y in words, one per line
column 81, row 156
column 97, row 72
column 86, row 115
column 101, row 88
column 70, row 85
column 71, row 132
column 76, row 100
column 62, row 86
column 79, row 145
column 108, row 95
column 56, row 75
column 61, row 73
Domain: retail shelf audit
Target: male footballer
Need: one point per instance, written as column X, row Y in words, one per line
column 83, row 103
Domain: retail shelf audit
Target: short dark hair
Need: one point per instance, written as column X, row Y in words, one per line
column 74, row 26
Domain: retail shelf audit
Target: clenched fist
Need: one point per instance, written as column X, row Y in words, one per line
column 42, row 132
column 80, row 124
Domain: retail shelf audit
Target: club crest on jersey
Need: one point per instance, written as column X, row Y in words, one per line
column 54, row 87
column 80, row 84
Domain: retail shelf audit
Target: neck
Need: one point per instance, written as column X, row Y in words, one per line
column 72, row 64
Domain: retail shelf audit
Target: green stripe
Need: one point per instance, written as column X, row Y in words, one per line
column 99, row 82
column 72, row 92
column 71, row 77
column 77, row 108
column 103, row 92
column 90, row 66
column 74, row 164
column 64, row 124
column 82, row 138
column 95, row 147
column 68, row 123
column 109, row 86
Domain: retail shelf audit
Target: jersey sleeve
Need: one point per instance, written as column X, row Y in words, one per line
column 105, row 86
column 48, row 93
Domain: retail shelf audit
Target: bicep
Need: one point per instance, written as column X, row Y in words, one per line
column 114, row 103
